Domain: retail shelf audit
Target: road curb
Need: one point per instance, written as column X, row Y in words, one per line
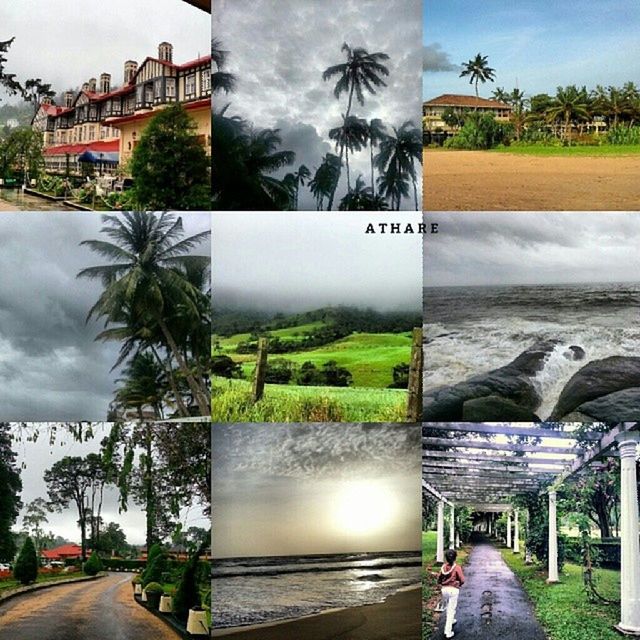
column 167, row 619
column 45, row 585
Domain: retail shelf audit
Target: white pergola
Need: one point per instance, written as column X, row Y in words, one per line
column 466, row 469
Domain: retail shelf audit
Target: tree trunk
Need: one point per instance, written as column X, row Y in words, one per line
column 373, row 185
column 198, row 394
column 348, row 174
column 415, row 193
column 172, row 383
column 149, row 493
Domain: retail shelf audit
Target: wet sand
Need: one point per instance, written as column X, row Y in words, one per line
column 489, row 181
column 398, row 618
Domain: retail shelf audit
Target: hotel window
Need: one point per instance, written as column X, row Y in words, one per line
column 93, row 112
column 190, row 85
column 92, row 133
column 170, row 88
column 139, row 94
column 148, row 94
column 157, row 88
column 206, row 80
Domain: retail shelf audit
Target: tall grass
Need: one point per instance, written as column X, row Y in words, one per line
column 621, row 134
column 232, row 402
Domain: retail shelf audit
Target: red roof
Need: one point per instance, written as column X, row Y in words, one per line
column 454, row 100
column 65, row 551
column 189, row 106
column 104, row 146
column 52, row 109
column 196, row 62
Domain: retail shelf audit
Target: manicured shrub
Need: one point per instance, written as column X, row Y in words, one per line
column 26, row 568
column 93, row 565
column 187, row 594
column 481, row 131
column 155, row 571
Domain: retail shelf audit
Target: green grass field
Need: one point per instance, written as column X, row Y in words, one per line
column 6, row 585
column 563, row 609
column 593, row 151
column 231, row 402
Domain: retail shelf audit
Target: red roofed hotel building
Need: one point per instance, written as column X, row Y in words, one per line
column 107, row 124
column 65, row 552
column 432, row 110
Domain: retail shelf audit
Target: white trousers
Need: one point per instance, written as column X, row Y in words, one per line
column 450, row 596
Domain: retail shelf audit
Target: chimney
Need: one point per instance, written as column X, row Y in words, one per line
column 165, row 51
column 105, row 82
column 130, row 68
column 68, row 98
column 46, row 100
column 92, row 85
column 85, row 86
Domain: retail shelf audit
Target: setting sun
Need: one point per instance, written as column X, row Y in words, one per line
column 364, row 507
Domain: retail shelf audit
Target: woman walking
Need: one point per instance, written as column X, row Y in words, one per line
column 450, row 579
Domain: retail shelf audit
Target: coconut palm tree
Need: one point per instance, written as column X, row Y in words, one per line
column 325, row 180
column 144, row 385
column 399, row 154
column 478, row 70
column 350, row 137
column 146, row 281
column 362, row 198
column 220, row 79
column 362, row 70
column 241, row 165
column 296, row 179
column 394, row 185
column 500, row 95
column 569, row 105
column 376, row 133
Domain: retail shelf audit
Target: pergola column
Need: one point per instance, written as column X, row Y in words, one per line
column 509, row 529
column 457, row 540
column 440, row 536
column 490, row 523
column 452, row 529
column 553, row 539
column 516, row 534
column 630, row 546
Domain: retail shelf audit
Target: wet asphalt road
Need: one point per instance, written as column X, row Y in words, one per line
column 492, row 604
column 103, row 609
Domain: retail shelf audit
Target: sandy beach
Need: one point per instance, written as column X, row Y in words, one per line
column 7, row 206
column 398, row 618
column 488, row 181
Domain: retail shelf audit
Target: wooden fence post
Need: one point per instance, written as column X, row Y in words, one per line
column 414, row 401
column 261, row 370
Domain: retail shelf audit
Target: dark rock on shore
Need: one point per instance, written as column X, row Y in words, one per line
column 496, row 409
column 574, row 353
column 596, row 381
column 511, row 382
column 621, row 406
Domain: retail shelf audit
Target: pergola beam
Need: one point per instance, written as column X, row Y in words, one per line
column 434, row 492
column 486, row 457
column 485, row 470
column 506, row 430
column 499, row 446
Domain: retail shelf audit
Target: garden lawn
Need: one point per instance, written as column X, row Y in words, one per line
column 563, row 609
column 12, row 584
column 231, row 402
column 578, row 150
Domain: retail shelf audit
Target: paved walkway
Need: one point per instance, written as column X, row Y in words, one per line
column 85, row 611
column 492, row 604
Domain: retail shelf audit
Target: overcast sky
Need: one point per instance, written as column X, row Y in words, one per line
column 51, row 368
column 40, row 455
column 66, row 43
column 535, row 45
column 532, row 248
column 297, row 262
column 278, row 50
column 288, row 489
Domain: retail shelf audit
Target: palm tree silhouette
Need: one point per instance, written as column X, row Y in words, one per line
column 296, row 179
column 478, row 70
column 397, row 159
column 394, row 185
column 376, row 133
column 325, row 180
column 221, row 80
column 362, row 198
column 351, row 136
column 362, row 70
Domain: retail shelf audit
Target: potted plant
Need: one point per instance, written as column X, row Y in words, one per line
column 154, row 591
column 136, row 582
column 197, row 622
column 166, row 601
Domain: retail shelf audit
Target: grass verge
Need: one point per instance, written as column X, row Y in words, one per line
column 231, row 402
column 584, row 150
column 563, row 609
column 6, row 585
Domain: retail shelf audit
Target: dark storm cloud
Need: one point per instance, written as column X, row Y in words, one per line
column 435, row 59
column 314, row 450
column 278, row 50
column 532, row 247
column 51, row 367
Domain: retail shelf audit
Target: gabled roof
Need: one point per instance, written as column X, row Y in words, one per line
column 66, row 550
column 456, row 100
column 172, row 65
column 98, row 146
